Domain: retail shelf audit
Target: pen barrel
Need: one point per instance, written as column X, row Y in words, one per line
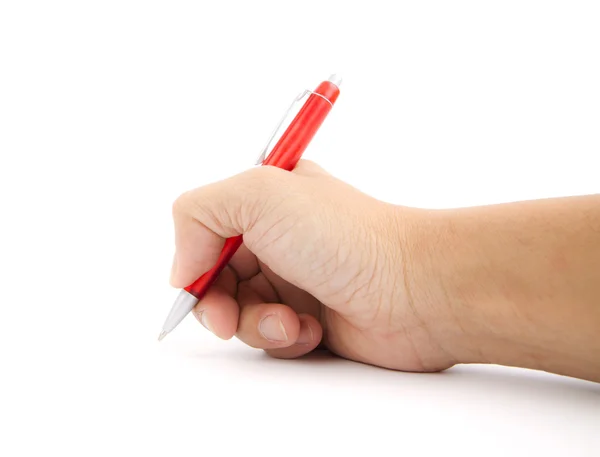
column 285, row 154
column 199, row 287
column 302, row 129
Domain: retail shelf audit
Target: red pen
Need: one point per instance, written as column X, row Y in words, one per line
column 285, row 154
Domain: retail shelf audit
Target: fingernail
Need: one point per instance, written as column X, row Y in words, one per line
column 201, row 316
column 272, row 329
column 174, row 268
column 306, row 335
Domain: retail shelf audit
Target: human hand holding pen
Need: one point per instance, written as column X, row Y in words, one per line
column 284, row 155
column 409, row 289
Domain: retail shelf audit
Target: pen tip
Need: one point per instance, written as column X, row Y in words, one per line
column 162, row 335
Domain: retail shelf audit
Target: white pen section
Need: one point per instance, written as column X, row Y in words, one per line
column 184, row 303
column 335, row 79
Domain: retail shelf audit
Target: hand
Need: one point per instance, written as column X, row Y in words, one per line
column 321, row 264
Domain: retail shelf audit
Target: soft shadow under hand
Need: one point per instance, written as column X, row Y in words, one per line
column 470, row 381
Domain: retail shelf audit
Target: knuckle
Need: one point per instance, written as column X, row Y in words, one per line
column 265, row 176
column 192, row 204
column 264, row 189
column 181, row 204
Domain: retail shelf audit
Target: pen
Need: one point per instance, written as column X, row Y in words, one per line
column 285, row 154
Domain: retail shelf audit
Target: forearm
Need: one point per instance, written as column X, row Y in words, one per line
column 523, row 280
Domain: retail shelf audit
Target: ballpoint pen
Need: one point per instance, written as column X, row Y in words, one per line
column 285, row 154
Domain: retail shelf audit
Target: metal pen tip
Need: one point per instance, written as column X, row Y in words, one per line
column 162, row 335
column 335, row 79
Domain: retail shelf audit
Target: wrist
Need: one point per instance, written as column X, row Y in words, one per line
column 470, row 277
column 475, row 285
column 515, row 281
column 453, row 271
column 425, row 270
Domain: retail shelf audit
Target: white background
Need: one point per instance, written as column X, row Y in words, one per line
column 110, row 109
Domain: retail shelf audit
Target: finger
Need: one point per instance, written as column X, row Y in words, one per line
column 243, row 204
column 268, row 325
column 263, row 288
column 288, row 293
column 309, row 337
column 218, row 311
column 190, row 236
column 244, row 263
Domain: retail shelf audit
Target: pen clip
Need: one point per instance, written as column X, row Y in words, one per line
column 299, row 97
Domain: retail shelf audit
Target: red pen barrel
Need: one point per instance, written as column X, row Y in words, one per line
column 285, row 155
column 302, row 129
column 199, row 287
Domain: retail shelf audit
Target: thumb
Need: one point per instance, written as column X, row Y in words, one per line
column 250, row 204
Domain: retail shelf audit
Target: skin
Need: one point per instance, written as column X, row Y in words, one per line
column 402, row 288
